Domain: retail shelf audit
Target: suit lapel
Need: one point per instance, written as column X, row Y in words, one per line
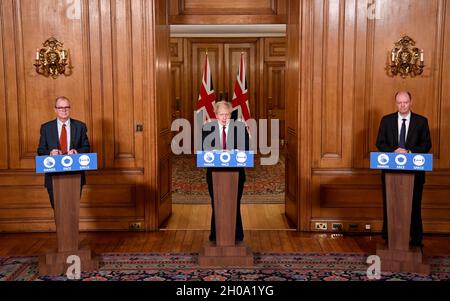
column 395, row 127
column 217, row 141
column 230, row 137
column 73, row 130
column 412, row 126
column 54, row 133
column 216, row 136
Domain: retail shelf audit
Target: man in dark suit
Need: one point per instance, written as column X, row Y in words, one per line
column 405, row 132
column 224, row 133
column 63, row 135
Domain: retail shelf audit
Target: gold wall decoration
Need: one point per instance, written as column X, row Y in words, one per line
column 405, row 59
column 52, row 59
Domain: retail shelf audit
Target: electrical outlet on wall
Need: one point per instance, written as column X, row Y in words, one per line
column 336, row 227
column 321, row 226
column 135, row 226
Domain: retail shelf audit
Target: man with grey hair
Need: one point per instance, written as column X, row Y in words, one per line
column 405, row 132
column 227, row 134
column 63, row 135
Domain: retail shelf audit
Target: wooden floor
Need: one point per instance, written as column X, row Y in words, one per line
column 266, row 230
column 192, row 240
column 254, row 217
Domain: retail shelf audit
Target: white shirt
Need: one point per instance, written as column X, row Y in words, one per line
column 221, row 129
column 400, row 122
column 60, row 124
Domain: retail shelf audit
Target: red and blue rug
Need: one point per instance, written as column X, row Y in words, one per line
column 184, row 267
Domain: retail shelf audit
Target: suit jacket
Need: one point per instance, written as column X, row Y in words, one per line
column 418, row 139
column 49, row 140
column 235, row 140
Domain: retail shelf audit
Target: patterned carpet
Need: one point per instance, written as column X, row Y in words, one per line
column 264, row 183
column 184, row 267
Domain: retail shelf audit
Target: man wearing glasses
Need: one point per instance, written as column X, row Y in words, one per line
column 62, row 136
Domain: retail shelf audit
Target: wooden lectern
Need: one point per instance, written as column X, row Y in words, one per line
column 66, row 189
column 225, row 252
column 398, row 256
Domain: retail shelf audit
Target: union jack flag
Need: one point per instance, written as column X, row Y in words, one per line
column 207, row 97
column 241, row 109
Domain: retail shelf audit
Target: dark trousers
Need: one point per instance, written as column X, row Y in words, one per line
column 50, row 196
column 239, row 229
column 416, row 229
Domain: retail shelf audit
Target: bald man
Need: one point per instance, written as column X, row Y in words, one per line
column 405, row 132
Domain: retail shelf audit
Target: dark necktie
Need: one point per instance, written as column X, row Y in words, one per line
column 63, row 140
column 224, row 138
column 401, row 143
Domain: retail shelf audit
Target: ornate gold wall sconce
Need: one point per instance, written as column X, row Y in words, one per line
column 52, row 59
column 406, row 59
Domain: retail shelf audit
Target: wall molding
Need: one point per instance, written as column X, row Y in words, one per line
column 244, row 30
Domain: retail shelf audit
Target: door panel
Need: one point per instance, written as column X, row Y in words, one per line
column 291, row 116
column 215, row 57
column 232, row 61
column 274, row 96
column 164, row 112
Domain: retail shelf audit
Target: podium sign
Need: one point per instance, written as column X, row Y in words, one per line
column 400, row 161
column 225, row 158
column 66, row 183
column 66, row 163
column 397, row 255
column 225, row 252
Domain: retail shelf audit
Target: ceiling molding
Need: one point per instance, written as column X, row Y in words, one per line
column 247, row 30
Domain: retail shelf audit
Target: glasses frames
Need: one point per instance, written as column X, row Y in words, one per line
column 62, row 108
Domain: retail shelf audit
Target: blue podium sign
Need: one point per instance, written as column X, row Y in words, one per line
column 399, row 161
column 65, row 163
column 225, row 158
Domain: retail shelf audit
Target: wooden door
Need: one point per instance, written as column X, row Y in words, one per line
column 232, row 52
column 164, row 113
column 274, row 90
column 177, row 84
column 215, row 57
column 292, row 134
column 274, row 95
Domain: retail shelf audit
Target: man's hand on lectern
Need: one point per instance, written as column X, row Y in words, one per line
column 400, row 150
column 73, row 152
column 55, row 152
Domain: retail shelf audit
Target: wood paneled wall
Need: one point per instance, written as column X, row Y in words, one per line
column 264, row 61
column 112, row 46
column 294, row 64
column 336, row 90
column 163, row 207
column 344, row 48
column 227, row 12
